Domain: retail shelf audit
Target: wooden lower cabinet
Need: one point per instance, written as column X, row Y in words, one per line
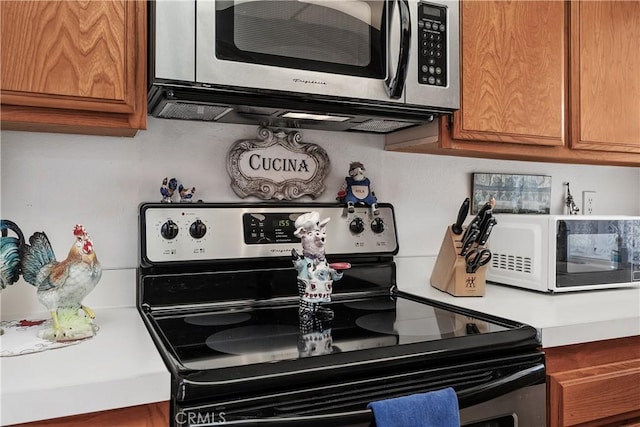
column 150, row 415
column 594, row 384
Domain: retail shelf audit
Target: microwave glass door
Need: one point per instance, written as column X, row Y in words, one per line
column 594, row 252
column 345, row 37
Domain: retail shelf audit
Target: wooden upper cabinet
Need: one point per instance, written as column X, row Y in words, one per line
column 605, row 66
column 513, row 56
column 549, row 81
column 67, row 53
column 74, row 66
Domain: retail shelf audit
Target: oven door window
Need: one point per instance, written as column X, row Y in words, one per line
column 593, row 252
column 340, row 37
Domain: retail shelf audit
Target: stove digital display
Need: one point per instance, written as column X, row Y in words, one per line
column 268, row 228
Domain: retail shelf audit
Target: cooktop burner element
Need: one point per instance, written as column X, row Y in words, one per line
column 372, row 305
column 273, row 341
column 218, row 319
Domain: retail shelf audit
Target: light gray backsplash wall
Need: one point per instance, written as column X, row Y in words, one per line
column 50, row 182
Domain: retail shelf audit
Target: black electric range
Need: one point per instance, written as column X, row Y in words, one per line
column 217, row 291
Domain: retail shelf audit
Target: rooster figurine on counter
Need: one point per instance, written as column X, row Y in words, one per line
column 61, row 286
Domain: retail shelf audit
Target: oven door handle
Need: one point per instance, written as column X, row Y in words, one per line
column 334, row 419
column 533, row 375
column 395, row 84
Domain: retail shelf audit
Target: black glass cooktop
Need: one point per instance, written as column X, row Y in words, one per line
column 246, row 336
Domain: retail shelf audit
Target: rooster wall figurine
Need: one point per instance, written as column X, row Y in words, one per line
column 61, row 286
column 186, row 194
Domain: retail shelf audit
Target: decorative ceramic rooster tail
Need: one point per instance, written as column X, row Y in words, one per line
column 10, row 253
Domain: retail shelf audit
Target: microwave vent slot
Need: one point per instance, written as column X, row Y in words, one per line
column 189, row 111
column 382, row 126
column 515, row 263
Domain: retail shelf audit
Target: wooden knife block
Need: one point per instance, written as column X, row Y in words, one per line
column 450, row 273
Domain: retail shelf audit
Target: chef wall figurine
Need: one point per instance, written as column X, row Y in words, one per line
column 315, row 274
column 357, row 189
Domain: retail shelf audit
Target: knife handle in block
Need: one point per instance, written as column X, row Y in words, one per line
column 462, row 215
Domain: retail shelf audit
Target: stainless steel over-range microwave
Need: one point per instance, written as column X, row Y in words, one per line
column 559, row 253
column 338, row 64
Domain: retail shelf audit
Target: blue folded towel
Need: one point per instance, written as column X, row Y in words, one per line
column 433, row 409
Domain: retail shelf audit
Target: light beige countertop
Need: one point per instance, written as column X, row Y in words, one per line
column 118, row 367
column 561, row 319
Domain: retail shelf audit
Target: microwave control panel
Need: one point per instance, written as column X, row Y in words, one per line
column 432, row 36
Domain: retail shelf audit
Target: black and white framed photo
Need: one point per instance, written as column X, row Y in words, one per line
column 513, row 193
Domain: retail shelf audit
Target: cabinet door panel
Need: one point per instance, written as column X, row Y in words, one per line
column 606, row 70
column 69, row 54
column 513, row 72
column 595, row 394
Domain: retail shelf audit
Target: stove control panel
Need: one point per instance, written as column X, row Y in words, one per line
column 212, row 232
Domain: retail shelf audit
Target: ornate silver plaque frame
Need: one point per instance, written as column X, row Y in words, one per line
column 277, row 165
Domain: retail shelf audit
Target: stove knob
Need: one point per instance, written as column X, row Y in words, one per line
column 377, row 225
column 198, row 229
column 169, row 230
column 356, row 226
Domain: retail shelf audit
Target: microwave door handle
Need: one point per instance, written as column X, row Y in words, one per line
column 395, row 85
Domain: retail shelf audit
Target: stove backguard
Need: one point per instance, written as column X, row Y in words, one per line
column 182, row 234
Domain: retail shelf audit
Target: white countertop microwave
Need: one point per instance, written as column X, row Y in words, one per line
column 560, row 253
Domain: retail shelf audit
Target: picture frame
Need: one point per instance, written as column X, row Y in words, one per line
column 513, row 193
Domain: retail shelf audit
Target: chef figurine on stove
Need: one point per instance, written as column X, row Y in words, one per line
column 315, row 274
column 357, row 189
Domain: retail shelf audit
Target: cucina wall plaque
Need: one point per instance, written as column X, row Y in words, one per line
column 277, row 165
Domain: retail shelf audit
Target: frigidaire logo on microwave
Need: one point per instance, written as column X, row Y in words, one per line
column 310, row 82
